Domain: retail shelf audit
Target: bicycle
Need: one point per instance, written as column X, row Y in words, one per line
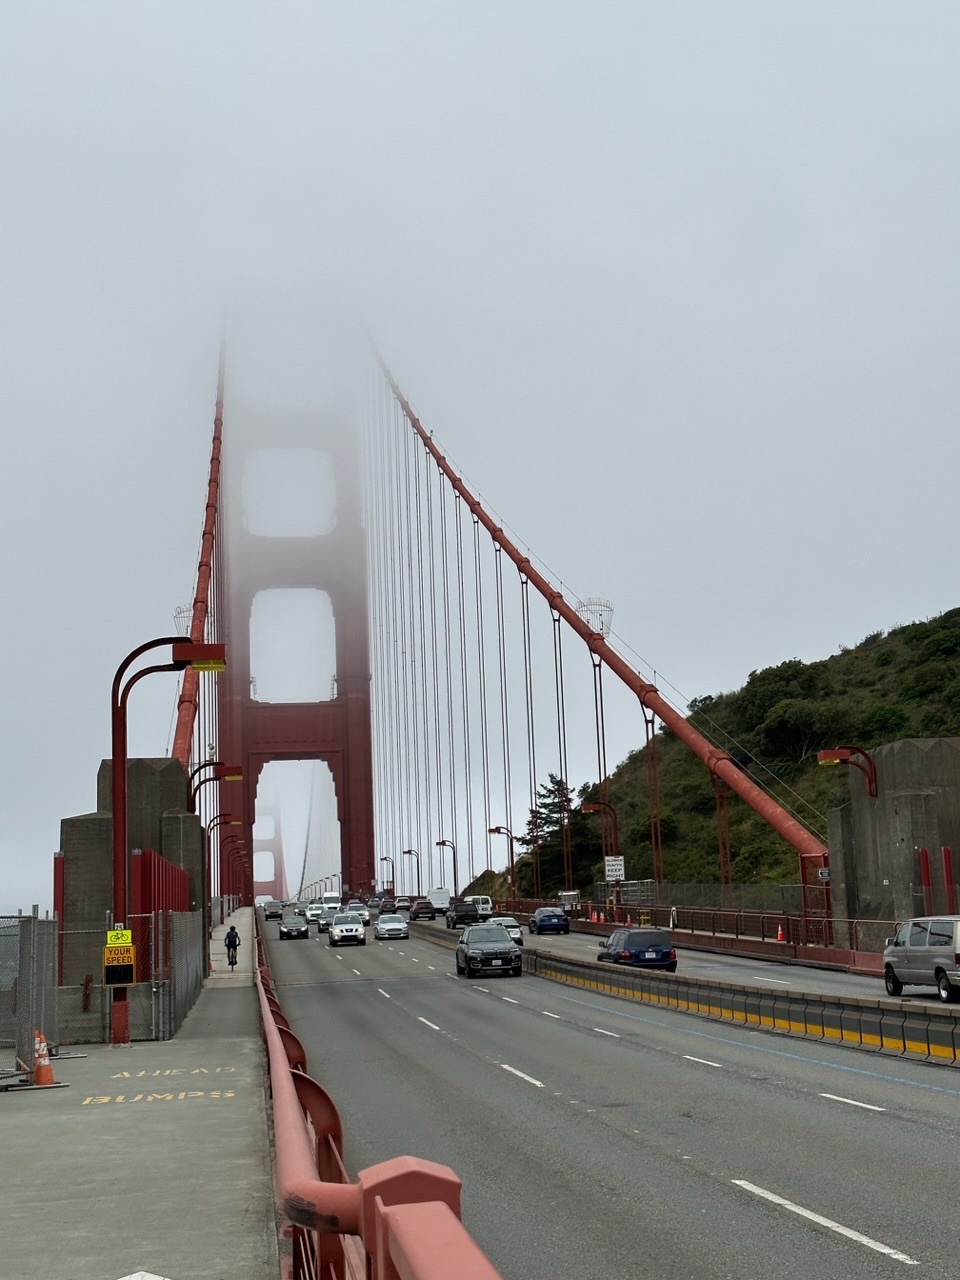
column 231, row 956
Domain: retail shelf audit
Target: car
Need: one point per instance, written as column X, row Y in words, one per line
column 300, row 908
column 511, row 926
column 487, row 948
column 548, row 920
column 484, row 905
column 347, row 927
column 460, row 913
column 925, row 951
column 404, row 904
column 423, row 909
column 326, row 918
column 358, row 909
column 273, row 910
column 440, row 898
column 642, row 948
column 391, row 926
column 387, row 906
column 293, row 927
column 314, row 910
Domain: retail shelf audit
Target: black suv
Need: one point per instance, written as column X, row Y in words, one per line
column 423, row 909
column 488, row 948
column 462, row 913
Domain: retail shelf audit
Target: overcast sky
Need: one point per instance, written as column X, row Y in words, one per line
column 694, row 267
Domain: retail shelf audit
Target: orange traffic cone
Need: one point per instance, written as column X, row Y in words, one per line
column 42, row 1070
column 781, row 936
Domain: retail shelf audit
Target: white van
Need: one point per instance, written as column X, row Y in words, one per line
column 332, row 899
column 925, row 952
column 440, row 899
column 484, row 904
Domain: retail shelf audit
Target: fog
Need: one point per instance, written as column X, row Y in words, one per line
column 676, row 287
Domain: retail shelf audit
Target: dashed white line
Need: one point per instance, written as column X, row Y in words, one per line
column 546, row 1013
column 509, row 1001
column 431, row 966
column 838, row 1227
column 612, row 1034
column 432, row 1025
column 781, row 982
column 706, row 1061
column 483, row 989
column 358, row 973
column 415, row 960
column 383, row 993
column 867, row 1106
column 522, row 1074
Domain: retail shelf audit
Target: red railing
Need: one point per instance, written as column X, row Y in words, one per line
column 400, row 1220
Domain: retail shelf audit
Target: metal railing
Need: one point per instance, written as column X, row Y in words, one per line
column 400, row 1220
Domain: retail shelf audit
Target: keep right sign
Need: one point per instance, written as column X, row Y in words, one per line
column 613, row 869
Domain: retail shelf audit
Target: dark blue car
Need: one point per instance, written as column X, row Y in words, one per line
column 548, row 920
column 644, row 948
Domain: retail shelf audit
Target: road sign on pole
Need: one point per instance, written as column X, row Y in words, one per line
column 119, row 966
column 613, row 869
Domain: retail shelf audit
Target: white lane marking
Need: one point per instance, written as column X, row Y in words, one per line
column 523, row 1075
column 358, row 973
column 867, row 1106
column 840, row 1229
column 401, row 953
column 546, row 1014
column 612, row 1034
column 415, row 960
column 432, row 1025
column 431, row 966
column 509, row 1001
column 781, row 982
column 383, row 993
column 706, row 1061
column 483, row 989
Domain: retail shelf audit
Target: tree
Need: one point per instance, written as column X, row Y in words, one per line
column 558, row 809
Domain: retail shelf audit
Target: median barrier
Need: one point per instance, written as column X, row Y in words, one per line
column 885, row 1026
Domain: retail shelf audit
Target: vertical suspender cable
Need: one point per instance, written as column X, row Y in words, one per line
column 562, row 745
column 504, row 699
column 410, row 747
column 464, row 688
column 434, row 654
column 531, row 728
column 481, row 671
column 424, row 701
column 448, row 657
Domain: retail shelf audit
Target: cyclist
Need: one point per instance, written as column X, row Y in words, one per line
column 231, row 942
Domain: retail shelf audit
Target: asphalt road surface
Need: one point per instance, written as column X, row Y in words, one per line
column 597, row 1138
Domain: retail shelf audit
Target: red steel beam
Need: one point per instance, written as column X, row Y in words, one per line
column 719, row 762
column 189, row 690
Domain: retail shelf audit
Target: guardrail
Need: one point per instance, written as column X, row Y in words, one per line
column 400, row 1220
column 881, row 1025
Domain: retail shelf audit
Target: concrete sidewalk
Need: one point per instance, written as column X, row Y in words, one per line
column 155, row 1159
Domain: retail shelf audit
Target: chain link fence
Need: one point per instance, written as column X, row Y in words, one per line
column 28, row 991
column 170, row 973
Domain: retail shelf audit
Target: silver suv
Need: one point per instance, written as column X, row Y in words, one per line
column 925, row 951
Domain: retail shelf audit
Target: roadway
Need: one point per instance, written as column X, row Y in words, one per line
column 596, row 1137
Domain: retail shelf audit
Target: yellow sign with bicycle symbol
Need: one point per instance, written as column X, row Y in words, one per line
column 119, row 937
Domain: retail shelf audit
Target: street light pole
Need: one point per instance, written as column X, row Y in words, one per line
column 505, row 831
column 221, row 773
column 601, row 806
column 393, row 871
column 456, row 880
column 184, row 653
column 412, row 853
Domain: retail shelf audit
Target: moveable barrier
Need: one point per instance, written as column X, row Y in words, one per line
column 400, row 1220
column 882, row 1025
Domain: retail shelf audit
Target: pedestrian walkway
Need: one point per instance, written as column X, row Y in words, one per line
column 155, row 1159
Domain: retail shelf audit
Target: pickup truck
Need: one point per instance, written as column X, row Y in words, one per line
column 461, row 913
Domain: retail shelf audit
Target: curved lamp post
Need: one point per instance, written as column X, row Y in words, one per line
column 221, row 773
column 412, row 853
column 450, row 845
column 505, row 831
column 601, row 806
column 393, row 871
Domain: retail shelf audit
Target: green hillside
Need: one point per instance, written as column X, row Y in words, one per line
column 903, row 683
